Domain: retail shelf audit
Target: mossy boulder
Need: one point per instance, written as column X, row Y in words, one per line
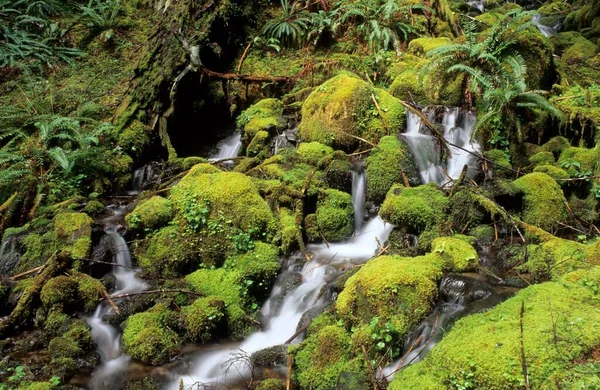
column 457, row 255
column 544, row 202
column 554, row 172
column 271, row 384
column 94, row 208
column 289, row 231
column 555, row 258
column 414, row 208
column 343, row 108
column 388, row 164
column 38, row 249
column 266, row 115
column 135, row 138
column 73, row 233
column 483, row 350
column 149, row 338
column 335, row 215
column 314, row 152
column 422, row 46
column 396, row 289
column 556, row 145
column 259, row 146
column 323, row 357
column 579, row 160
column 150, row 214
column 542, row 158
column 203, row 318
column 79, row 292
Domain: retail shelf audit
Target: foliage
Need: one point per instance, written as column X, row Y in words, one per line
column 290, row 27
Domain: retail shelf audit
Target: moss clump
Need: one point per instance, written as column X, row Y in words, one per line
column 457, row 255
column 150, row 214
column 265, row 115
column 387, row 165
column 148, row 336
column 414, row 208
column 544, row 202
column 228, row 286
column 36, row 386
column 396, row 289
column 579, row 160
column 73, row 232
column 422, row 46
column 135, row 138
column 556, row 145
column 271, row 384
column 555, row 258
column 342, row 108
column 259, row 268
column 542, row 158
column 579, row 52
column 38, row 249
column 335, row 215
column 502, row 159
column 554, row 172
column 289, row 231
column 79, row 292
column 323, row 357
column 406, row 86
column 203, row 318
column 94, row 208
column 313, row 152
column 484, row 349
column 259, row 146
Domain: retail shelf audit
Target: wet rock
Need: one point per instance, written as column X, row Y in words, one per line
column 310, row 315
column 128, row 307
column 270, row 357
column 291, row 281
column 109, row 281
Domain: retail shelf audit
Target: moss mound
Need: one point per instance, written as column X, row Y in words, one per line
column 544, row 202
column 342, row 109
column 483, row 350
column 79, row 292
column 387, row 165
column 313, row 152
column 335, row 215
column 414, row 208
column 265, row 115
column 556, row 257
column 456, row 254
column 149, row 338
column 203, row 318
column 73, row 232
column 150, row 214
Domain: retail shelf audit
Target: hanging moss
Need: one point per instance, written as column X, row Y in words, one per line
column 544, row 202
column 389, row 164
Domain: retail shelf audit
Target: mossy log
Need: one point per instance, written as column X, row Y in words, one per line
column 30, row 298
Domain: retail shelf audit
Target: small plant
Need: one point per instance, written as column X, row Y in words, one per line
column 18, row 373
column 291, row 26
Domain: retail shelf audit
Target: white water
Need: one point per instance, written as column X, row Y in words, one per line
column 141, row 176
column 546, row 31
column 228, row 147
column 477, row 4
column 458, row 127
column 105, row 336
column 359, row 190
column 281, row 324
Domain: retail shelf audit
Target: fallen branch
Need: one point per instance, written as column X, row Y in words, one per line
column 31, row 271
column 156, row 292
column 244, row 54
column 298, row 332
column 431, row 127
column 214, row 162
column 288, row 378
column 247, row 78
column 111, row 302
column 360, row 139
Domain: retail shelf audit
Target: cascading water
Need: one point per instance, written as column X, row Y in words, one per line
column 282, row 316
column 142, row 178
column 228, row 147
column 359, row 185
column 479, row 4
column 458, row 127
column 106, row 337
column 546, row 31
column 9, row 255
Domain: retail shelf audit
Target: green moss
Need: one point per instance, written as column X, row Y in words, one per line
column 271, row 384
column 335, row 215
column 544, row 202
column 387, row 165
column 579, row 52
column 93, row 208
column 150, row 214
column 188, row 162
column 556, row 257
column 313, row 152
column 135, row 138
column 36, row 386
column 74, row 234
column 542, row 158
column 396, row 289
column 556, row 145
column 262, row 116
column 289, row 231
column 422, row 46
column 227, row 285
column 38, row 249
column 259, row 268
column 259, row 144
column 414, row 208
column 554, row 172
column 484, row 349
column 203, row 318
column 587, row 159
column 483, row 234
column 342, row 109
column 79, row 292
column 406, row 86
column 323, row 357
column 148, row 337
column 457, row 255
column 61, row 347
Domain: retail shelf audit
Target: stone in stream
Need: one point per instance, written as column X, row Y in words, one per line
column 463, row 289
column 270, row 357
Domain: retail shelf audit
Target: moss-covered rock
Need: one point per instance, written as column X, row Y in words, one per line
column 554, row 172
column 556, row 145
column 422, row 46
column 259, row 146
column 555, row 258
column 203, row 318
column 389, row 164
column 271, row 384
column 313, row 152
column 542, row 158
column 150, row 214
column 396, row 289
column 79, row 292
column 135, row 138
column 259, row 268
column 579, row 160
column 335, row 215
column 94, row 208
column 342, row 109
column 266, row 115
column 483, row 350
column 73, row 232
column 148, row 336
column 289, row 231
column 544, row 202
column 414, row 208
column 457, row 254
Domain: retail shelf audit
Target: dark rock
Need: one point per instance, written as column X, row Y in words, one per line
column 270, row 357
column 310, row 315
column 463, row 289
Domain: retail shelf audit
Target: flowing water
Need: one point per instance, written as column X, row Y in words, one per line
column 458, row 127
column 142, row 178
column 359, row 191
column 9, row 255
column 228, row 147
column 477, row 4
column 285, row 307
column 546, row 31
column 107, row 338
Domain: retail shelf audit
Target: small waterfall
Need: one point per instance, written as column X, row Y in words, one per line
column 141, row 178
column 546, row 31
column 458, row 127
column 359, row 190
column 228, row 147
column 477, row 4
column 9, row 255
column 106, row 337
column 281, row 319
column 287, row 139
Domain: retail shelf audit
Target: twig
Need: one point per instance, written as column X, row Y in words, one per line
column 244, row 54
column 288, row 379
column 370, row 366
column 523, row 361
column 106, row 262
column 298, row 332
column 359, row 138
column 226, row 159
column 431, row 127
column 156, row 292
column 31, row 271
column 111, row 302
